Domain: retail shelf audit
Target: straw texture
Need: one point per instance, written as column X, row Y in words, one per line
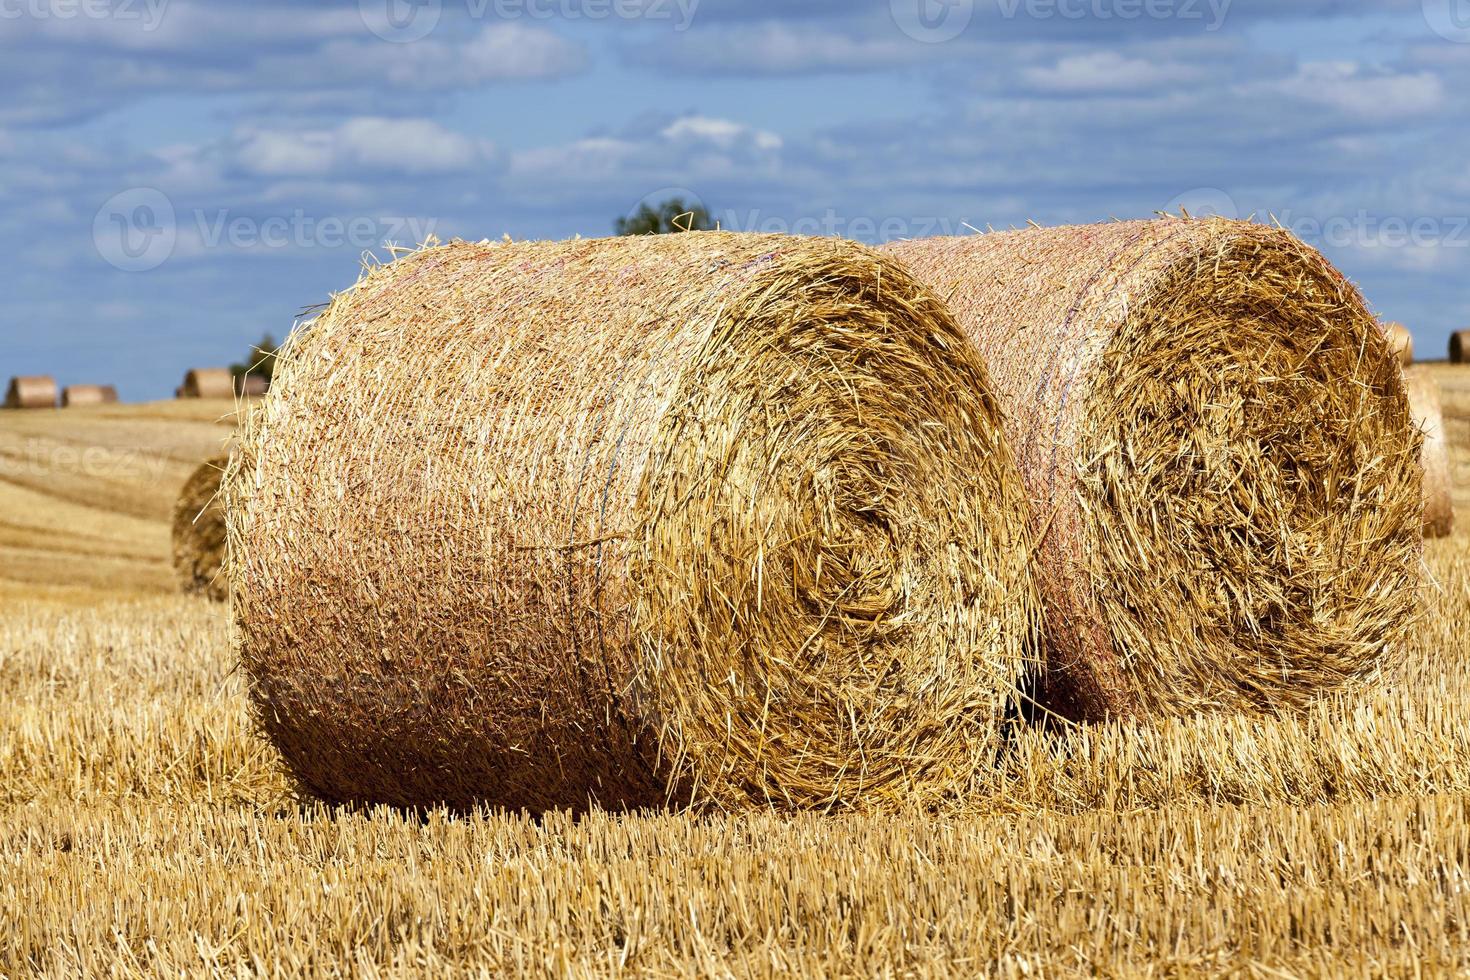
column 199, row 532
column 77, row 396
column 1424, row 403
column 1400, row 341
column 706, row 517
column 1460, row 347
column 207, row 383
column 31, row 392
column 1217, row 446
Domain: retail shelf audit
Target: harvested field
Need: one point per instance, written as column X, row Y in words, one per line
column 146, row 829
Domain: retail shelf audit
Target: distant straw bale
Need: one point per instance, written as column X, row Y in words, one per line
column 1219, row 454
column 1460, row 347
column 1424, row 403
column 712, row 518
column 208, row 383
column 199, row 532
column 77, row 396
column 1400, row 341
column 36, row 391
column 251, row 386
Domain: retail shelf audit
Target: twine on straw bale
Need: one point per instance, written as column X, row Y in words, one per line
column 706, row 518
column 1424, row 403
column 199, row 532
column 31, row 392
column 1219, row 455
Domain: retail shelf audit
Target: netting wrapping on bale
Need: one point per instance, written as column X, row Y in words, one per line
column 1428, row 412
column 31, row 392
column 1217, row 447
column 703, row 518
column 199, row 532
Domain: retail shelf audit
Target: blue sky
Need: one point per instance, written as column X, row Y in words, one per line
column 178, row 177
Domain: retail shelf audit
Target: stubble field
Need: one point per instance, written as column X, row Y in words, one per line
column 146, row 830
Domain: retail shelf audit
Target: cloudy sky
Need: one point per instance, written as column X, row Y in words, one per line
column 178, row 177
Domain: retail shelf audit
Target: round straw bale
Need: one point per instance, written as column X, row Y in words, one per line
column 199, row 532
column 1424, row 403
column 1217, row 445
column 36, row 391
column 77, row 396
column 1460, row 347
column 1400, row 341
column 712, row 518
column 208, row 383
column 251, row 385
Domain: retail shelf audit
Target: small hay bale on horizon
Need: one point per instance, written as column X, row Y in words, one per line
column 1218, row 449
column 199, row 532
column 707, row 518
column 1460, row 347
column 207, row 383
column 78, row 396
column 251, row 386
column 31, row 391
column 1428, row 412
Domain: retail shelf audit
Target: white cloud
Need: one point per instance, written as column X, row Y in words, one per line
column 1347, row 87
column 374, row 144
column 721, row 132
column 1100, row 72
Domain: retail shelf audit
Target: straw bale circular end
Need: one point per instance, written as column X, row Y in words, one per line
column 1218, row 449
column 1428, row 412
column 1400, row 341
column 199, row 532
column 707, row 518
column 1460, row 347
column 36, row 391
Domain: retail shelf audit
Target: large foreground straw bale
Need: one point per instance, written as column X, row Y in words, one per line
column 1219, row 455
column 199, row 532
column 31, row 392
column 78, row 396
column 1424, row 403
column 703, row 517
